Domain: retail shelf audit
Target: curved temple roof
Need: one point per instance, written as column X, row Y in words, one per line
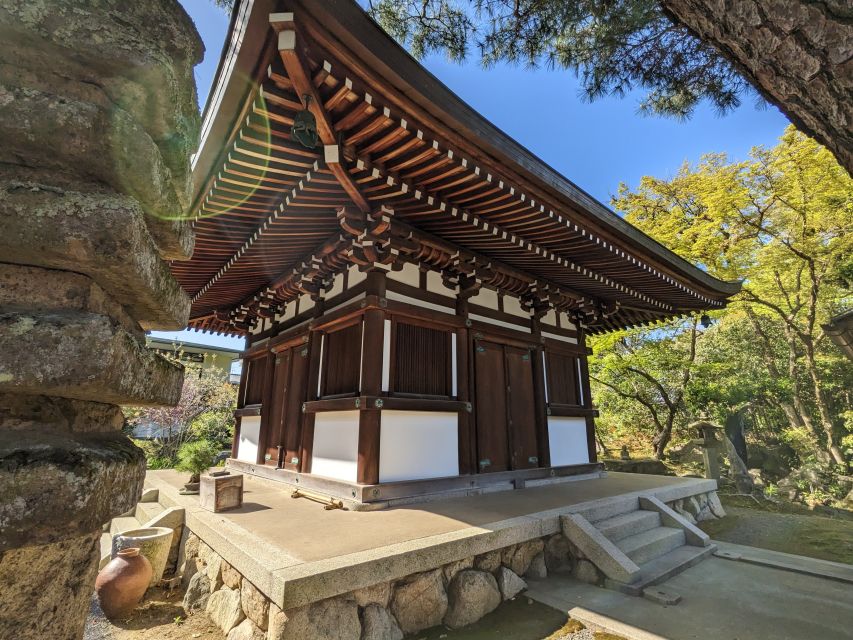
column 404, row 170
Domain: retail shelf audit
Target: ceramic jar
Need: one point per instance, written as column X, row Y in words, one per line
column 122, row 583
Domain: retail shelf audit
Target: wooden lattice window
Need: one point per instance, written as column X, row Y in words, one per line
column 562, row 379
column 341, row 361
column 255, row 377
column 421, row 360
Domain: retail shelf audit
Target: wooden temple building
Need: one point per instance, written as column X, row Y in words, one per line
column 415, row 287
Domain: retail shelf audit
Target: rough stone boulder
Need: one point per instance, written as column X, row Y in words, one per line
column 224, row 609
column 378, row 593
column 246, row 630
column 558, row 557
column 488, row 561
column 197, row 593
column 332, row 619
column 420, row 602
column 518, row 557
column 91, row 231
column 138, row 55
column 509, row 583
column 471, row 595
column 379, row 624
column 71, row 564
column 255, row 604
column 537, row 568
column 82, row 480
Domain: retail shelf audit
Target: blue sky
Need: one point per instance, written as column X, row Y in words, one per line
column 596, row 145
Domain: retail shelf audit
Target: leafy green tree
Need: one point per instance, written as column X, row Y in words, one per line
column 651, row 370
column 782, row 222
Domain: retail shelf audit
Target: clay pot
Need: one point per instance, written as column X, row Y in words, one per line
column 122, row 583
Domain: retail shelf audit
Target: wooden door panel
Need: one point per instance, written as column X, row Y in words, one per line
column 521, row 412
column 296, row 395
column 491, row 417
column 275, row 427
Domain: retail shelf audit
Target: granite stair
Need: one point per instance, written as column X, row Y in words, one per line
column 637, row 543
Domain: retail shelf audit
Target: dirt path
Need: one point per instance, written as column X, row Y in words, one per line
column 808, row 535
column 160, row 617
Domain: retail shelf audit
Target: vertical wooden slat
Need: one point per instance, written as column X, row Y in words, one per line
column 463, row 393
column 371, row 385
column 266, row 367
column 315, row 339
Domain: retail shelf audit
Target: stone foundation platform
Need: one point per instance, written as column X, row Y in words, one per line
column 286, row 568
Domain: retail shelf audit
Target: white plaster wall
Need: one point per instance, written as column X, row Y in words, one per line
column 512, row 306
column 409, row 274
column 414, row 445
column 335, row 452
column 355, row 276
column 435, row 284
column 305, row 303
column 567, row 439
column 247, row 447
column 486, row 298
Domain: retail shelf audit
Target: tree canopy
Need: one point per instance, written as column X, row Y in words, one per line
column 782, row 222
column 614, row 47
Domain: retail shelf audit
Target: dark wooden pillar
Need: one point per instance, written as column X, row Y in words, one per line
column 464, row 380
column 268, row 369
column 540, row 405
column 371, row 383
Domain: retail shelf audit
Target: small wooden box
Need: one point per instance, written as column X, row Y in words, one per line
column 221, row 492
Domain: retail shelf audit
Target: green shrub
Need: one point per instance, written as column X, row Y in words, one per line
column 196, row 457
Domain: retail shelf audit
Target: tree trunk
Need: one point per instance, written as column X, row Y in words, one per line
column 661, row 439
column 794, row 52
column 823, row 409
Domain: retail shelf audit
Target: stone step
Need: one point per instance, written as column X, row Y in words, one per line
column 123, row 523
column 662, row 568
column 145, row 511
column 628, row 524
column 648, row 545
column 106, row 549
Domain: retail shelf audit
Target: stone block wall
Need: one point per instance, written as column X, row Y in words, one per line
column 98, row 116
column 456, row 594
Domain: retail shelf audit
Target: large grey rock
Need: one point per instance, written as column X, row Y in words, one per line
column 537, row 567
column 230, row 576
column 56, row 486
column 100, row 143
column 379, row 593
column 488, row 561
column 331, row 619
column 379, row 624
column 57, row 224
column 44, row 587
column 585, row 571
column 509, row 583
column 68, row 291
column 49, row 413
column 197, row 593
column 246, row 630
column 471, row 595
column 255, row 604
column 213, row 569
column 137, row 56
column 518, row 557
column 84, row 356
column 558, row 557
column 453, row 568
column 420, row 601
column 224, row 609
